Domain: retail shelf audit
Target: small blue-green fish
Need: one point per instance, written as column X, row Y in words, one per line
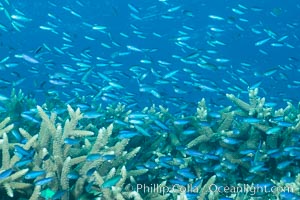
column 92, row 115
column 229, row 165
column 133, row 8
column 277, row 119
column 277, row 44
column 237, row 11
column 17, row 135
column 165, row 158
column 71, row 141
column 270, row 72
column 186, row 173
column 173, row 9
column 197, row 183
column 251, row 120
column 284, row 124
column 99, row 28
column 191, row 195
column 287, row 179
column 291, row 148
column 44, row 181
column 4, row 28
column 133, row 48
column 20, row 18
column 270, row 104
column 137, row 116
column 88, row 187
column 193, row 153
column 205, row 124
column 247, row 152
column 181, row 122
column 209, row 156
column 261, row 42
column 255, row 85
column 5, row 173
column 150, row 165
column 30, row 59
column 284, row 164
column 58, row 82
column 111, row 182
column 108, row 157
column 295, row 153
column 215, row 115
column 144, row 61
column 189, row 132
column 218, row 30
column 166, row 16
column 3, row 98
column 82, row 106
column 180, row 148
column 47, row 193
column 58, row 195
column 124, row 134
column 273, row 130
column 160, row 124
column 21, row 152
column 22, row 163
column 236, row 131
column 274, row 153
column 215, row 17
column 179, row 161
column 142, row 131
column 73, row 175
column 221, row 174
column 165, row 165
column 134, row 16
column 91, row 171
column 170, row 74
column 289, row 196
column 231, row 141
column 34, row 174
column 93, row 157
column 121, row 123
column 258, row 168
column 29, row 118
column 136, row 121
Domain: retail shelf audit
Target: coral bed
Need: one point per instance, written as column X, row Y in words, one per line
column 49, row 152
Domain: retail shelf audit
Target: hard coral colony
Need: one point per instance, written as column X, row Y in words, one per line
column 117, row 153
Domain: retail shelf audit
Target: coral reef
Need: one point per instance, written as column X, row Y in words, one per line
column 118, row 153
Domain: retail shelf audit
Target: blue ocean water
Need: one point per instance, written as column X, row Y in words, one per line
column 211, row 46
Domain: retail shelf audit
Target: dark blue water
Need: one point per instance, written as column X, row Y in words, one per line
column 162, row 31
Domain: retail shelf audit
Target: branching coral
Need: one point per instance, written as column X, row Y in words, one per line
column 111, row 153
column 57, row 151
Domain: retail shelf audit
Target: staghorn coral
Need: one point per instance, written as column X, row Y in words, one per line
column 10, row 179
column 51, row 153
column 111, row 152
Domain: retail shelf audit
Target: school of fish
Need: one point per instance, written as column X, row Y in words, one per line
column 168, row 55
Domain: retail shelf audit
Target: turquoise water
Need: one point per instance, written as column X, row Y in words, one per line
column 150, row 52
